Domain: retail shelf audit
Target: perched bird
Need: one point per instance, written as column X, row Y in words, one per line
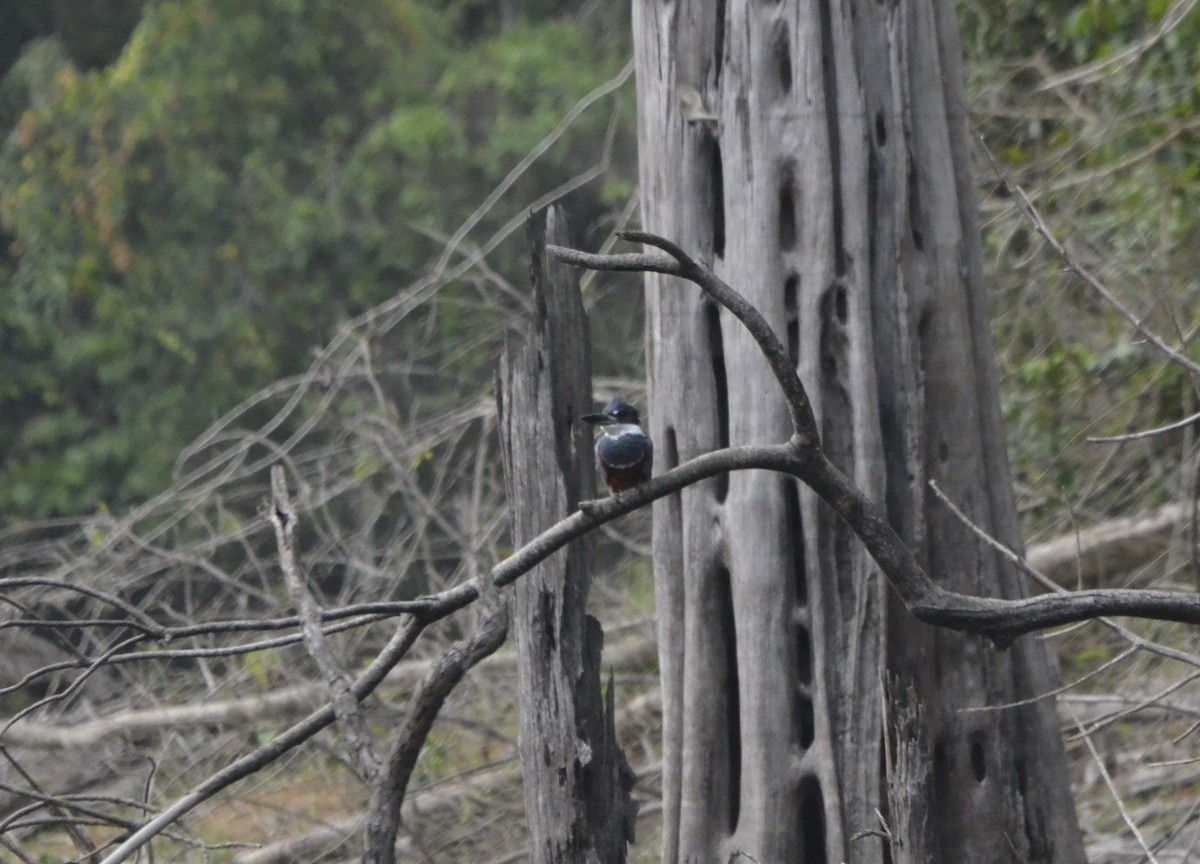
column 624, row 453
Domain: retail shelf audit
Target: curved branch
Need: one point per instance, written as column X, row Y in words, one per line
column 998, row 619
column 683, row 265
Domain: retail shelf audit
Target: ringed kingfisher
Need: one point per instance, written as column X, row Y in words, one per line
column 624, row 453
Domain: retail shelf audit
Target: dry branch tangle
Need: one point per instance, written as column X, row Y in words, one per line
column 635, row 652
column 801, row 457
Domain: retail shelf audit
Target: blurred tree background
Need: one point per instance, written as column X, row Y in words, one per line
column 194, row 193
column 1093, row 108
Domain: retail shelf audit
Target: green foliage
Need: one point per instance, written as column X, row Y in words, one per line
column 185, row 223
column 1091, row 106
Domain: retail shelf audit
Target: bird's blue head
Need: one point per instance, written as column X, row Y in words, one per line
column 616, row 411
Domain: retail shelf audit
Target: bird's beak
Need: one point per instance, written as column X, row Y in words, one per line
column 597, row 419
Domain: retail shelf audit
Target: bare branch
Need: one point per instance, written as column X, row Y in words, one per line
column 345, row 705
column 1090, row 72
column 58, row 807
column 138, row 619
column 1145, row 433
column 999, row 620
column 628, row 262
column 277, row 705
column 69, row 691
column 1135, row 641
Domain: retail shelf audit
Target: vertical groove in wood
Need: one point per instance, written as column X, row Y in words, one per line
column 577, row 782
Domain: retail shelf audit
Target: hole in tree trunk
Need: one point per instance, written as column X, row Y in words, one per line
column 832, row 111
column 719, row 37
column 805, row 721
column 783, row 60
column 787, row 211
column 812, row 822
column 733, row 723
column 716, row 190
column 804, row 656
column 716, row 348
column 670, row 450
column 978, row 757
column 795, row 545
column 791, row 291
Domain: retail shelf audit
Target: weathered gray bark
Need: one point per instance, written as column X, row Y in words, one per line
column 906, row 765
column 577, row 782
column 833, row 190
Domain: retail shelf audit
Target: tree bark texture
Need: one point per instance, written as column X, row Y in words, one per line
column 833, row 190
column 577, row 782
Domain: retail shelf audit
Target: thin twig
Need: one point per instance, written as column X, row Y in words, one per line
column 1116, row 795
column 1089, row 72
column 610, row 86
column 1145, row 433
column 1031, row 213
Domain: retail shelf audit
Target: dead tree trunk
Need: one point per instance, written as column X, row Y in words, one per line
column 815, row 155
column 577, row 782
